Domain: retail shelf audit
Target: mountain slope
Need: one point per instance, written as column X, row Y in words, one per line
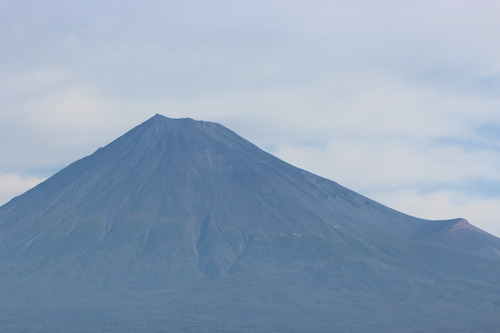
column 183, row 225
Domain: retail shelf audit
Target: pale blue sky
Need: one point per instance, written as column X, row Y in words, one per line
column 398, row 100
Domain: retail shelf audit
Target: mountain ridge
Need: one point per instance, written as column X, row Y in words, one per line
column 178, row 213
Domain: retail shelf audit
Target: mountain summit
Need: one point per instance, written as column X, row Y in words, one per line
column 182, row 225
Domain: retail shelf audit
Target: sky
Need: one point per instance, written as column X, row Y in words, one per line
column 397, row 100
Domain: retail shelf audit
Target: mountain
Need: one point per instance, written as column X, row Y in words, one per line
column 184, row 226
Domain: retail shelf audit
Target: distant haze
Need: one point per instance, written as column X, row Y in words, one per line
column 396, row 100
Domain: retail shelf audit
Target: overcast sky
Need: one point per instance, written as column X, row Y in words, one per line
column 397, row 100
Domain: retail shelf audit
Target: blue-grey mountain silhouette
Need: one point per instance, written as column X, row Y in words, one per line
column 183, row 226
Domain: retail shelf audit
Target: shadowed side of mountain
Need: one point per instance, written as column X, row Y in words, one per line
column 183, row 225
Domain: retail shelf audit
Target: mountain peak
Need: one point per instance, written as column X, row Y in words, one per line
column 161, row 130
column 160, row 122
column 159, row 118
column 160, row 126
